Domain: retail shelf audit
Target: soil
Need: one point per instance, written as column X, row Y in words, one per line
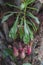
column 38, row 44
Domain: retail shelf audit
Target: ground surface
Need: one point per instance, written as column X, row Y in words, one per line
column 38, row 59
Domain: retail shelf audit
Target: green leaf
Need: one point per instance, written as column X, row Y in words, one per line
column 32, row 24
column 26, row 39
column 32, row 8
column 27, row 64
column 30, row 1
column 5, row 17
column 31, row 35
column 26, row 35
column 21, row 32
column 11, row 5
column 26, row 28
column 13, row 31
column 34, row 17
column 26, row 3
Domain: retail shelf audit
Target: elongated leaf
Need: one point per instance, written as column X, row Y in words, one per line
column 30, row 33
column 21, row 29
column 26, row 64
column 13, row 30
column 34, row 17
column 10, row 5
column 32, row 8
column 21, row 32
column 26, row 39
column 30, row 1
column 26, row 3
column 5, row 18
column 25, row 28
column 32, row 24
column 26, row 35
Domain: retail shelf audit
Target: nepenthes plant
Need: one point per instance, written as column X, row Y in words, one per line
column 25, row 23
column 24, row 27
